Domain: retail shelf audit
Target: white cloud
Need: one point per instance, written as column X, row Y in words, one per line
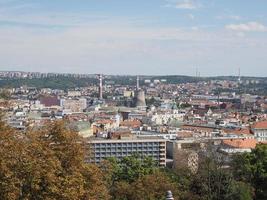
column 183, row 4
column 187, row 4
column 247, row 27
column 123, row 49
column 97, row 44
column 234, row 17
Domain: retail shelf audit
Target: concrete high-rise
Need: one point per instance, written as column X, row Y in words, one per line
column 101, row 149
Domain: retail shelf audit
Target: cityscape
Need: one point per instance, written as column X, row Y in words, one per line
column 133, row 100
column 172, row 123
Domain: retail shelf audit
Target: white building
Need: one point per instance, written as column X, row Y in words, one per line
column 166, row 118
column 260, row 131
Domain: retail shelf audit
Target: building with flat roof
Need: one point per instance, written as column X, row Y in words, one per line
column 100, row 149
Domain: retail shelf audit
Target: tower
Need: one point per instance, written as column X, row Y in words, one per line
column 137, row 83
column 100, row 86
column 140, row 100
column 139, row 96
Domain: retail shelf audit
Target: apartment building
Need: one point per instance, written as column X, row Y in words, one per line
column 100, row 149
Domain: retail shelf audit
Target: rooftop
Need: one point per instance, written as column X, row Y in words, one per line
column 260, row 125
column 241, row 143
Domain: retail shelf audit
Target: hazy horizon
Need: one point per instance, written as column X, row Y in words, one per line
column 138, row 74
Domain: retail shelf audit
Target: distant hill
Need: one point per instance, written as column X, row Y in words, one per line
column 62, row 82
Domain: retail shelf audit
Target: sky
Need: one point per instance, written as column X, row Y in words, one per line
column 144, row 37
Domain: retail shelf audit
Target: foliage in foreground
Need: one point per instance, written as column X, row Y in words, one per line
column 252, row 168
column 49, row 164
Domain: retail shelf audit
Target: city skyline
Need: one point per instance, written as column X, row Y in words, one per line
column 161, row 37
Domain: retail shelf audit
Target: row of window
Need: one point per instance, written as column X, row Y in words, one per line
column 263, row 134
column 98, row 160
column 128, row 149
column 130, row 144
column 123, row 154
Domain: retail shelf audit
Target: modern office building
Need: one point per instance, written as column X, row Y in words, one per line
column 101, row 149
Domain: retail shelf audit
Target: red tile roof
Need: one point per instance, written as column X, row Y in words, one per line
column 196, row 128
column 241, row 143
column 240, row 131
column 131, row 123
column 105, row 121
column 260, row 125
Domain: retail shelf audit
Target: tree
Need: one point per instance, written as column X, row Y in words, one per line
column 252, row 168
column 5, row 94
column 47, row 164
column 151, row 187
column 131, row 167
column 242, row 191
column 214, row 182
column 135, row 178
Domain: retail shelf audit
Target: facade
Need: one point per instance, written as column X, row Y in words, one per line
column 74, row 105
column 73, row 93
column 184, row 153
column 260, row 131
column 166, row 118
column 49, row 101
column 101, row 149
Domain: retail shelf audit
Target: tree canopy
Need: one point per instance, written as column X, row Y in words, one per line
column 252, row 168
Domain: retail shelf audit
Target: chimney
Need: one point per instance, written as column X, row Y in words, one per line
column 100, row 86
column 137, row 83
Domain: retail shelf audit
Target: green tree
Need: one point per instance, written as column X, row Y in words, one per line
column 135, row 178
column 214, row 182
column 242, row 191
column 5, row 94
column 150, row 187
column 252, row 168
column 131, row 167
